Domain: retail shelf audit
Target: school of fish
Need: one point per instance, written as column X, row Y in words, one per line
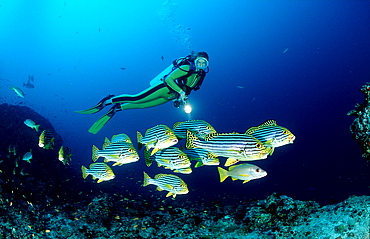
column 45, row 141
column 203, row 144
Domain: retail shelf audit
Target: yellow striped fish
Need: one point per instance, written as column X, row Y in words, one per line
column 199, row 127
column 158, row 137
column 168, row 182
column 234, row 146
column 64, row 155
column 118, row 138
column 271, row 134
column 46, row 139
column 99, row 171
column 118, row 152
column 203, row 157
column 171, row 158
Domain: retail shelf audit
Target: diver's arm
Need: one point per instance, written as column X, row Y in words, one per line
column 170, row 79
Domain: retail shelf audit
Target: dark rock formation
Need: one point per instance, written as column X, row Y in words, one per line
column 360, row 127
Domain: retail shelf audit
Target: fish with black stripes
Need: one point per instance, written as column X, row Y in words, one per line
column 167, row 182
column 234, row 146
column 119, row 152
column 170, row 158
column 100, row 171
column 202, row 156
column 199, row 127
column 157, row 138
column 271, row 134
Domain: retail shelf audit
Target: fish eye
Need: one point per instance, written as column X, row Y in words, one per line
column 258, row 170
column 259, row 146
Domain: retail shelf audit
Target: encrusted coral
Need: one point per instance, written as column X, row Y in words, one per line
column 360, row 128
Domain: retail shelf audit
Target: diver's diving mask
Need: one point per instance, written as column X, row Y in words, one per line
column 201, row 63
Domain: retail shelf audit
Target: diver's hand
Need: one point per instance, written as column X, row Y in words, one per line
column 183, row 97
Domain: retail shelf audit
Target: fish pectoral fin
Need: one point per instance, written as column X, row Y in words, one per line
column 171, row 194
column 271, row 150
column 115, row 164
column 114, row 156
column 231, row 161
column 269, row 142
column 155, row 150
column 245, row 175
column 168, row 186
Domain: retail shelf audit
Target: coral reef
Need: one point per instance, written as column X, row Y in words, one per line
column 360, row 128
column 108, row 217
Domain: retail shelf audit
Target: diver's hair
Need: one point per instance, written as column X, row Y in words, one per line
column 193, row 55
column 203, row 54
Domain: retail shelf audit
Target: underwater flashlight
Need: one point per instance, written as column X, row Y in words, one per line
column 187, row 108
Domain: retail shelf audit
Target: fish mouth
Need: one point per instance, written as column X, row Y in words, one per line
column 291, row 139
column 263, row 155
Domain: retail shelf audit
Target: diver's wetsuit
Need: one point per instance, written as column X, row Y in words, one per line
column 182, row 79
column 160, row 93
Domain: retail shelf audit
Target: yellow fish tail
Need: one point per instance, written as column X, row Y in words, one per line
column 84, row 174
column 190, row 137
column 148, row 161
column 139, row 137
column 146, row 179
column 223, row 174
column 94, row 153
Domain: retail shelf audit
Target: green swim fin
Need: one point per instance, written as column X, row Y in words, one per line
column 98, row 107
column 99, row 124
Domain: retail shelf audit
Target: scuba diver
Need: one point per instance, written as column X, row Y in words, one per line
column 185, row 74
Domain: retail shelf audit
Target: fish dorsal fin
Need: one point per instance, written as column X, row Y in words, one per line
column 210, row 136
column 251, row 130
column 161, row 175
column 175, row 125
column 270, row 122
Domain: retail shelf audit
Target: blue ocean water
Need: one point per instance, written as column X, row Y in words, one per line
column 298, row 62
